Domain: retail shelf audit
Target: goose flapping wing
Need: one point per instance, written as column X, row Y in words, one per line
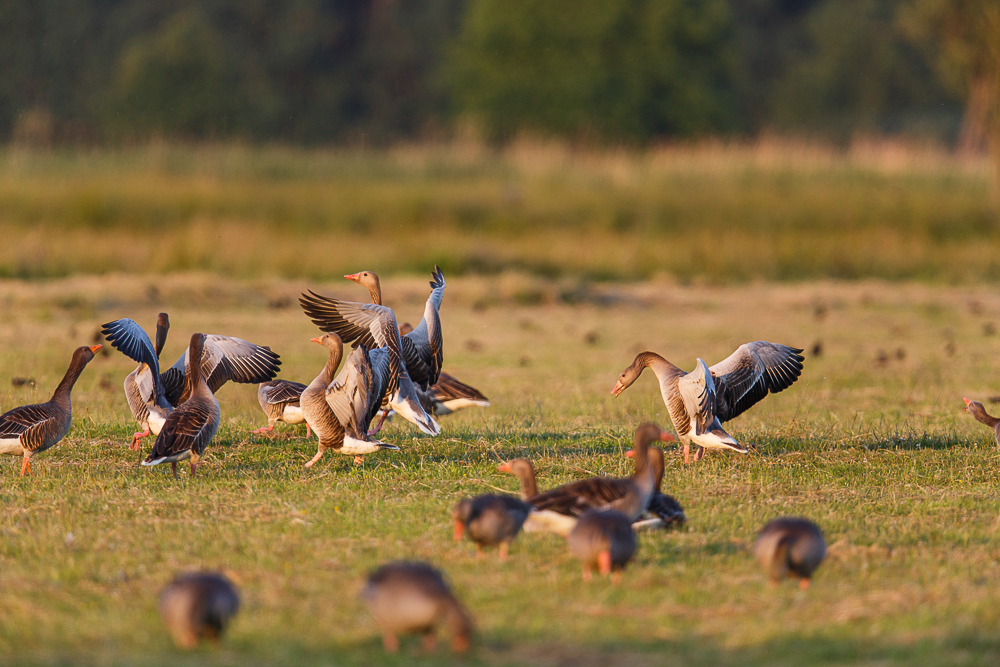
column 449, row 388
column 283, row 391
column 228, row 359
column 423, row 347
column 697, row 392
column 349, row 395
column 131, row 340
column 751, row 372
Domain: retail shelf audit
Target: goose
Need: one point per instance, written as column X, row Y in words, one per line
column 189, row 429
column 666, row 511
column 557, row 510
column 790, row 546
column 153, row 395
column 198, row 606
column 340, row 408
column 977, row 410
column 279, row 399
column 699, row 401
column 373, row 326
column 450, row 394
column 603, row 537
column 412, row 597
column 29, row 429
column 490, row 520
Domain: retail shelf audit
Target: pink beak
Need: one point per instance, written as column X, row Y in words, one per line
column 967, row 401
column 619, row 388
column 353, row 276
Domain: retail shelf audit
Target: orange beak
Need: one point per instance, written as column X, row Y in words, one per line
column 317, row 339
column 667, row 437
column 503, row 467
column 967, row 401
column 619, row 388
column 353, row 276
column 95, row 348
column 459, row 528
column 630, row 453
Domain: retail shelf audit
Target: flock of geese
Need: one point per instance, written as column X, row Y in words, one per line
column 393, row 369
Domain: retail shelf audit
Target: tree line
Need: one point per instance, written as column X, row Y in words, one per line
column 377, row 71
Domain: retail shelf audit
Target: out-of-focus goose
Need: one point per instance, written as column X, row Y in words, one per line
column 603, row 538
column 413, row 598
column 976, row 409
column 279, row 399
column 198, row 606
column 667, row 512
column 152, row 395
column 30, row 429
column 790, row 546
column 490, row 520
column 192, row 425
column 699, row 401
column 340, row 408
column 525, row 473
column 373, row 326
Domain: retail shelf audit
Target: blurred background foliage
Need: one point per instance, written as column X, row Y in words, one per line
column 379, row 71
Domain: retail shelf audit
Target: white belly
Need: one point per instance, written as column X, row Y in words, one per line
column 155, row 422
column 355, row 447
column 292, row 414
column 11, row 446
column 547, row 521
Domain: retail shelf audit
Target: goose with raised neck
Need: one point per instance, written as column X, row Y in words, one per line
column 978, row 410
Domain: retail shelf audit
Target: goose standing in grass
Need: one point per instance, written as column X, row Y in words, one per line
column 490, row 520
column 198, row 606
column 699, row 401
column 279, row 399
column 30, row 429
column 340, row 408
column 153, row 395
column 413, row 598
column 603, row 538
column 790, row 546
column 977, row 410
column 665, row 509
column 192, row 425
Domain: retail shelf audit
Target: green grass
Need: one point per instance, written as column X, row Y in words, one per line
column 697, row 214
column 880, row 454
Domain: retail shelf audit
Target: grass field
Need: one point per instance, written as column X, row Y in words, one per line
column 872, row 443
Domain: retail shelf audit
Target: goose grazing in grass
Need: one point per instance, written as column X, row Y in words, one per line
column 490, row 520
column 603, row 538
column 790, row 546
column 666, row 511
column 198, row 606
column 977, row 410
column 699, row 401
column 192, row 425
column 374, row 327
column 340, row 408
column 279, row 399
column 30, row 429
column 413, row 598
column 153, row 395
column 558, row 509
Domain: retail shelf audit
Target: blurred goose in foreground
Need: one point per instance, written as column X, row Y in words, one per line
column 279, row 399
column 557, row 510
column 153, row 395
column 490, row 520
column 340, row 408
column 790, row 546
column 666, row 511
column 977, row 410
column 699, row 401
column 198, row 606
column 191, row 426
column 410, row 597
column 30, row 429
column 603, row 538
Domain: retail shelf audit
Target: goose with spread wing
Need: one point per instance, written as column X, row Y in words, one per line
column 279, row 399
column 29, row 429
column 153, row 395
column 374, row 327
column 699, row 401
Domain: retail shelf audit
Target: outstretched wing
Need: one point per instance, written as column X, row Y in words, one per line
column 423, row 348
column 283, row 391
column 750, row 373
column 131, row 340
column 228, row 359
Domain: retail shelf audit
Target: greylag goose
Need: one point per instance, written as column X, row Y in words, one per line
column 977, row 410
column 30, row 429
column 279, row 399
column 699, row 401
column 525, row 473
column 411, row 597
column 667, row 512
column 603, row 538
column 152, row 395
column 450, row 394
column 198, row 606
column 192, row 425
column 557, row 510
column 490, row 520
column 340, row 408
column 373, row 326
column 790, row 546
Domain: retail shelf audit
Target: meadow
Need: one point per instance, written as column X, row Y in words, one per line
column 872, row 443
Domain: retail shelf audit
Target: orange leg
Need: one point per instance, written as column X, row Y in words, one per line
column 265, row 429
column 804, row 584
column 315, row 458
column 700, row 454
column 308, row 433
column 137, row 438
column 460, row 644
column 430, row 641
column 687, row 453
column 587, row 576
column 358, row 460
column 378, row 427
column 25, row 466
column 604, row 562
column 479, row 551
column 504, row 547
column 390, row 642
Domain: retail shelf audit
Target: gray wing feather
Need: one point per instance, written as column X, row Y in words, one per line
column 751, row 372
